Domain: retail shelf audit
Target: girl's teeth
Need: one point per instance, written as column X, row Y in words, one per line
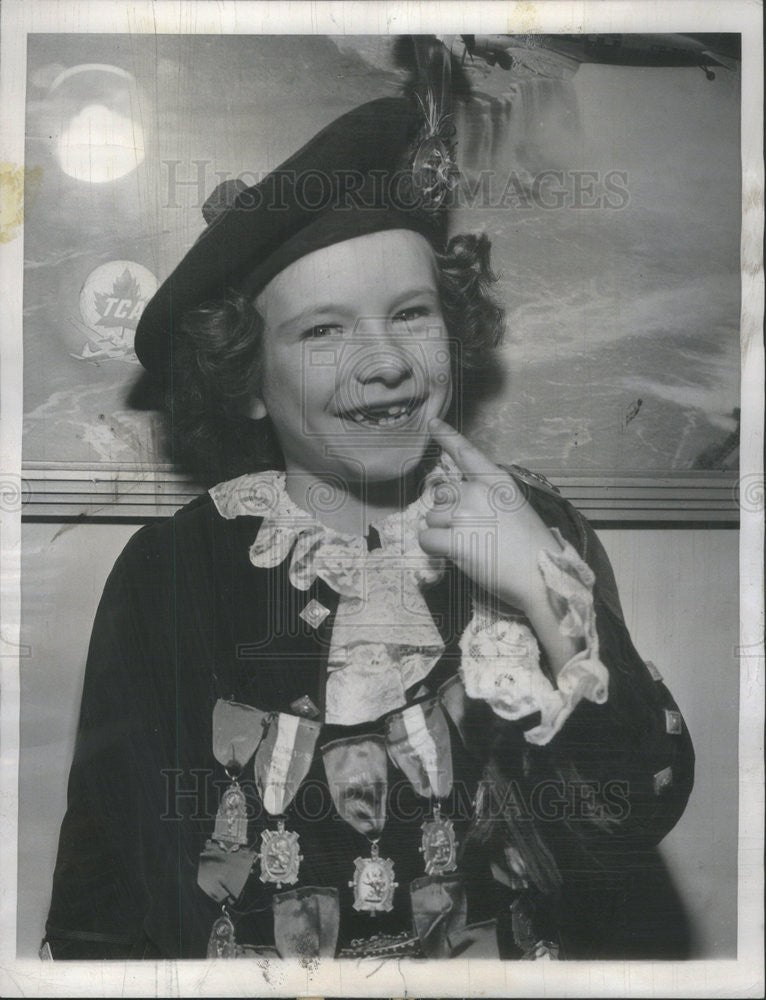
column 394, row 413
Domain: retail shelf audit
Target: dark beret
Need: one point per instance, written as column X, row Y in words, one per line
column 352, row 178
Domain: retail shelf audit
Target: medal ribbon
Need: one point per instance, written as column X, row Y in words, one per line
column 306, row 922
column 472, row 718
column 237, row 731
column 283, row 759
column 454, row 701
column 357, row 775
column 419, row 744
column 222, row 874
column 439, row 908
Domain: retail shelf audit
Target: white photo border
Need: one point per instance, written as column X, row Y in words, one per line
column 743, row 977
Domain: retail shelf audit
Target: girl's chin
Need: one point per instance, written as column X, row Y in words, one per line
column 390, row 464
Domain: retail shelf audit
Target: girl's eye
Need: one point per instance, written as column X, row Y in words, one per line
column 411, row 313
column 322, row 330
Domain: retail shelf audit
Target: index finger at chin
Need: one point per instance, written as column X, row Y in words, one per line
column 466, row 456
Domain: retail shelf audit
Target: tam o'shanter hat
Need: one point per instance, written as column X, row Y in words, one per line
column 381, row 166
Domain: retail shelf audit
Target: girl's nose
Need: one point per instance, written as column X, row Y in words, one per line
column 382, row 356
column 386, row 365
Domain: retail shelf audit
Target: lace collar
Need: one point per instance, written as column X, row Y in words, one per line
column 317, row 550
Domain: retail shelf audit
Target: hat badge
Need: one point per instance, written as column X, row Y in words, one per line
column 434, row 170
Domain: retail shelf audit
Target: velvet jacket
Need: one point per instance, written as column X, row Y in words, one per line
column 186, row 619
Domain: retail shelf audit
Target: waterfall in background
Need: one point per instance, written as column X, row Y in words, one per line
column 534, row 125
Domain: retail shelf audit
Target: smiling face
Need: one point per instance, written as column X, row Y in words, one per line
column 355, row 358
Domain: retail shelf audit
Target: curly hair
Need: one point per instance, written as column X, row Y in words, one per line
column 216, row 365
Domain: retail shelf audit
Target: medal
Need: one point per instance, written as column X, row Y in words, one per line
column 438, row 846
column 230, row 831
column 419, row 743
column 226, row 860
column 282, row 761
column 357, row 775
column 237, row 731
column 373, row 882
column 280, row 857
column 222, row 942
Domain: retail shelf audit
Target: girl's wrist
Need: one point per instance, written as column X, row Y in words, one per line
column 559, row 648
column 501, row 653
column 537, row 602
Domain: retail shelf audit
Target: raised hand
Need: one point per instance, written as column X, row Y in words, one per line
column 485, row 525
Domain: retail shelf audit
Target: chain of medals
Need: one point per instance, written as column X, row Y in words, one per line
column 417, row 740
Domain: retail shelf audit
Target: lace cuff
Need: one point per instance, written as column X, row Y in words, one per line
column 501, row 656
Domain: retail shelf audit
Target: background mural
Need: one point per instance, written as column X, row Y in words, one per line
column 610, row 191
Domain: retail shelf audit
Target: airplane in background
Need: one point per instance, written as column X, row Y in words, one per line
column 561, row 55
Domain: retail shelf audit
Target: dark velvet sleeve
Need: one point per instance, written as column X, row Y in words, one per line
column 632, row 756
column 634, row 751
column 608, row 787
column 125, row 879
column 100, row 889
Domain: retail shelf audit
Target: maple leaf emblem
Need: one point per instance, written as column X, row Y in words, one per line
column 121, row 306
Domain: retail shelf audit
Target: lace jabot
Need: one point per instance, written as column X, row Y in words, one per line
column 384, row 639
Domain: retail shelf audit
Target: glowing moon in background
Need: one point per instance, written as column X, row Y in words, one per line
column 100, row 145
column 102, row 140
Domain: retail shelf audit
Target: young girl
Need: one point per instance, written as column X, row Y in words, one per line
column 372, row 694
